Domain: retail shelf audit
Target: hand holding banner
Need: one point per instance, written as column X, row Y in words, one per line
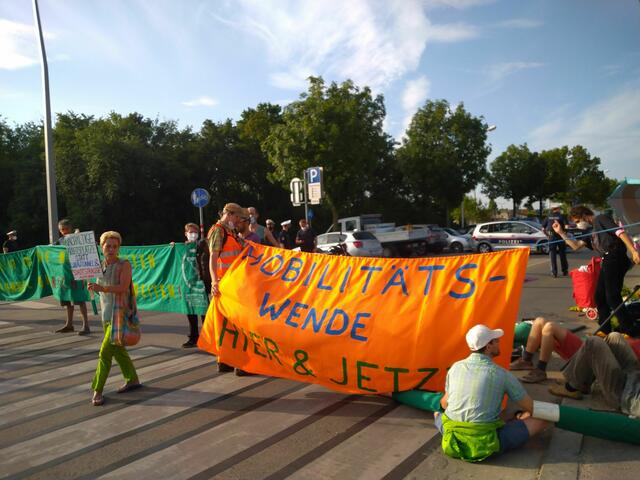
column 360, row 325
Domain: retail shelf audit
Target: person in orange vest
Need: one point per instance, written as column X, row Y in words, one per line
column 224, row 247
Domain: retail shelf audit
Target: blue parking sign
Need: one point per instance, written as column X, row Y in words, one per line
column 200, row 197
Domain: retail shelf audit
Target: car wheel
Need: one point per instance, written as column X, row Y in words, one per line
column 543, row 247
column 456, row 247
column 484, row 248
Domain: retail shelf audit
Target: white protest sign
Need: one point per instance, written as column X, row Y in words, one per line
column 83, row 255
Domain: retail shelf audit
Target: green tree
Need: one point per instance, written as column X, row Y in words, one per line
column 587, row 183
column 444, row 154
column 512, row 175
column 550, row 175
column 339, row 128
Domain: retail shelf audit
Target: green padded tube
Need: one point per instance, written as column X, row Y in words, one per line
column 420, row 399
column 521, row 334
column 607, row 425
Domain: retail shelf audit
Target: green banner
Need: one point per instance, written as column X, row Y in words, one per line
column 165, row 277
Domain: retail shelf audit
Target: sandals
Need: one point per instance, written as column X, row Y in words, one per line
column 97, row 400
column 127, row 387
column 65, row 329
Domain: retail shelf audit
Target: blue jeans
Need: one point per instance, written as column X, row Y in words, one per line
column 512, row 435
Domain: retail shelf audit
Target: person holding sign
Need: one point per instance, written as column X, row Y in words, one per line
column 114, row 288
column 65, row 228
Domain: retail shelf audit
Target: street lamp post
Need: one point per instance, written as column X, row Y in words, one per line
column 52, row 202
column 490, row 128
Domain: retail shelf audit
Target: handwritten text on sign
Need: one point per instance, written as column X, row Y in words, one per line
column 83, row 255
column 360, row 324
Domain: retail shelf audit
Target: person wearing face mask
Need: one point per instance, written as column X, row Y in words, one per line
column 556, row 246
column 224, row 247
column 612, row 244
column 11, row 244
column 202, row 263
column 306, row 237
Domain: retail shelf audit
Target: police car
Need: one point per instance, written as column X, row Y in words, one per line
column 510, row 234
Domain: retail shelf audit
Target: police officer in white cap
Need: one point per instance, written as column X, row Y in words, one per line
column 284, row 237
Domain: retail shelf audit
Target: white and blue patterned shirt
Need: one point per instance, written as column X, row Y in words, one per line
column 476, row 387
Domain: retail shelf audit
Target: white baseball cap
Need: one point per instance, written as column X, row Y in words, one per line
column 479, row 336
column 286, row 222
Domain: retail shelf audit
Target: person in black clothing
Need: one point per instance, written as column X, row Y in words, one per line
column 11, row 244
column 284, row 237
column 612, row 243
column 306, row 237
column 556, row 245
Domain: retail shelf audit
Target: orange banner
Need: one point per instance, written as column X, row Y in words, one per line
column 360, row 325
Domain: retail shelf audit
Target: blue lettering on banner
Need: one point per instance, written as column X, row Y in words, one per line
column 465, row 280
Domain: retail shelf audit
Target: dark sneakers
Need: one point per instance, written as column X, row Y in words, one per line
column 224, row 368
column 190, row 344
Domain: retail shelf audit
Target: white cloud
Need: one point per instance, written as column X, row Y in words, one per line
column 203, row 101
column 414, row 95
column 457, row 4
column 452, row 32
column 371, row 42
column 17, row 45
column 500, row 71
column 609, row 129
column 520, row 23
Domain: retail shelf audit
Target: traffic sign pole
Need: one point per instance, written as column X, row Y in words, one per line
column 199, row 198
column 306, row 207
column 201, row 223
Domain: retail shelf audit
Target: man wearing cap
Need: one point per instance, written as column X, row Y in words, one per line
column 11, row 244
column 556, row 244
column 471, row 426
column 306, row 237
column 224, row 247
column 284, row 237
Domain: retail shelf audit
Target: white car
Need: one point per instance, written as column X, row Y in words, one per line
column 358, row 244
column 459, row 242
column 510, row 234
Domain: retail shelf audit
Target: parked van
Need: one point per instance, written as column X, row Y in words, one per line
column 510, row 234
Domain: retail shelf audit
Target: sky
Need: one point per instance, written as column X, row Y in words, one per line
column 545, row 72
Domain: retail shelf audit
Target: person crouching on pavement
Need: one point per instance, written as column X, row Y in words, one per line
column 471, row 426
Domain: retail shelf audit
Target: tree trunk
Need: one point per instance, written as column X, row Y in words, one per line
column 540, row 209
column 514, row 208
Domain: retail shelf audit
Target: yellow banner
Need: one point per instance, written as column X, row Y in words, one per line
column 360, row 325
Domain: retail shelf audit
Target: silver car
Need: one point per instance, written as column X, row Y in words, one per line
column 459, row 242
column 358, row 244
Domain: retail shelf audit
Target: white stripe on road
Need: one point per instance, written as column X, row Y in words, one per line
column 409, row 428
column 47, row 447
column 54, row 342
column 12, row 384
column 211, row 447
column 50, row 401
column 20, row 338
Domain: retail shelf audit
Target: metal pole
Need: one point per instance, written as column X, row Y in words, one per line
column 201, row 224
column 52, row 202
column 462, row 214
column 306, row 194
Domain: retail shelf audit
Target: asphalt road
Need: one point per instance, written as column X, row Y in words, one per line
column 191, row 422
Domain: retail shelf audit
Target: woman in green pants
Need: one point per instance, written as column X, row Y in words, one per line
column 114, row 289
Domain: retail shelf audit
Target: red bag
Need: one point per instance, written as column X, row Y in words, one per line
column 584, row 284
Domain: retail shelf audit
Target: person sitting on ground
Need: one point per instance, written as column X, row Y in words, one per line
column 548, row 337
column 610, row 361
column 65, row 228
column 471, row 426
